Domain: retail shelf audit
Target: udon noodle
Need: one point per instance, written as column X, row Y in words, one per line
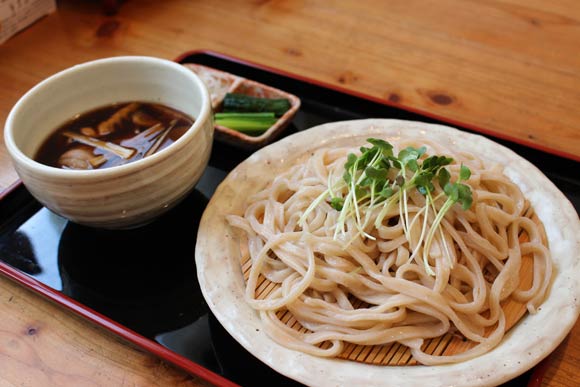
column 371, row 289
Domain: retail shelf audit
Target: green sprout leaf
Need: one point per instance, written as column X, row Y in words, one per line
column 443, row 176
column 337, row 203
column 386, row 192
column 376, row 173
column 464, row 196
column 464, row 173
column 385, row 147
column 350, row 161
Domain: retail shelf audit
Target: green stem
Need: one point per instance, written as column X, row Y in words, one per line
column 384, row 210
column 426, row 216
column 448, row 203
column 312, row 206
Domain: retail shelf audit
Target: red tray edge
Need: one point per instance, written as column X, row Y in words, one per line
column 116, row 328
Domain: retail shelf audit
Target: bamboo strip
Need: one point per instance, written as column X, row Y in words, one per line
column 394, row 353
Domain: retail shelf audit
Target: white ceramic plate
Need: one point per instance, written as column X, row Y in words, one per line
column 532, row 339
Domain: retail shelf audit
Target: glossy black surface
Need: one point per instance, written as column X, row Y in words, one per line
column 145, row 279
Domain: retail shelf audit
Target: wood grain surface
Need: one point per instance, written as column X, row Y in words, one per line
column 511, row 67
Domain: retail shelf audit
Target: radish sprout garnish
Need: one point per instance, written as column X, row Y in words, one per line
column 377, row 180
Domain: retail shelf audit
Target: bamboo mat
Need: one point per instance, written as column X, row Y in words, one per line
column 396, row 354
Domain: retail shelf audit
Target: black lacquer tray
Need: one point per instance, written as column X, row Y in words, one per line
column 141, row 284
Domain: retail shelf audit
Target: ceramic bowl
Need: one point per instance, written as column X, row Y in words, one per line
column 125, row 196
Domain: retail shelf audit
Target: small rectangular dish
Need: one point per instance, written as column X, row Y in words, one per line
column 220, row 83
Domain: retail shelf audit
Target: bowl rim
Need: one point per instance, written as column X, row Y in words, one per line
column 200, row 121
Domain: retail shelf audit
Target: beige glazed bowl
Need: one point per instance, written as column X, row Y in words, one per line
column 125, row 196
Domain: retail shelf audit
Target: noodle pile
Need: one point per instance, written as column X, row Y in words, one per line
column 350, row 288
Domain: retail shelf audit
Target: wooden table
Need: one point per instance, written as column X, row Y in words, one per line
column 510, row 66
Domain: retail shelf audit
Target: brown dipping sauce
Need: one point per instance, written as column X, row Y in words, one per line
column 113, row 135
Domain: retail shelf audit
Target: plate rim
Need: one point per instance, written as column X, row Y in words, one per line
column 480, row 371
